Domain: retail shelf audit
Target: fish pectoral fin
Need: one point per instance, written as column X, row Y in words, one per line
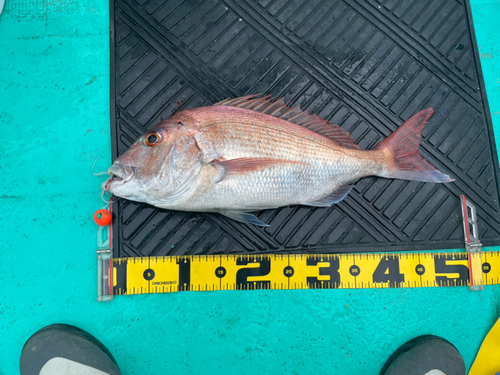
column 333, row 198
column 243, row 217
column 244, row 166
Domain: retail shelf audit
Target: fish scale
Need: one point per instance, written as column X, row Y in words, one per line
column 324, row 167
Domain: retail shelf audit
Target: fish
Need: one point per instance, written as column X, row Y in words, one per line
column 253, row 153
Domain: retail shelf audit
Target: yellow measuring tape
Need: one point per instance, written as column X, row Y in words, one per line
column 301, row 271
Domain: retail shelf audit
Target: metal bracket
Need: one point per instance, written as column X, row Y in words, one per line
column 105, row 262
column 472, row 244
column 104, row 275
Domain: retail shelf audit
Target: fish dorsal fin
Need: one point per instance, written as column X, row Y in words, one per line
column 296, row 115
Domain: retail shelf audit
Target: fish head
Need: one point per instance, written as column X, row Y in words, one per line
column 149, row 169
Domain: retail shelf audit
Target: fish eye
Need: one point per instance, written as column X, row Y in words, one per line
column 152, row 139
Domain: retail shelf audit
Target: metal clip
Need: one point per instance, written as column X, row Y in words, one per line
column 472, row 244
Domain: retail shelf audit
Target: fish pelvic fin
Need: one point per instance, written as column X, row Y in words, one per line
column 401, row 150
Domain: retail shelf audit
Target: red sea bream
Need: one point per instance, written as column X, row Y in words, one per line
column 248, row 154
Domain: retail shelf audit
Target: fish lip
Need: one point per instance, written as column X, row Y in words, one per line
column 121, row 173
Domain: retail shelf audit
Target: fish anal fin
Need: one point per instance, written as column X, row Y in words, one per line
column 279, row 109
column 243, row 217
column 244, row 166
column 334, row 198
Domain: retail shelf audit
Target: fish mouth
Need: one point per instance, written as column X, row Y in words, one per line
column 119, row 174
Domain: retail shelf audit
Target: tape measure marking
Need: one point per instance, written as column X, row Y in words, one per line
column 300, row 271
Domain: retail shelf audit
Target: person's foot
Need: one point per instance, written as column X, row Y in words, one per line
column 61, row 349
column 425, row 355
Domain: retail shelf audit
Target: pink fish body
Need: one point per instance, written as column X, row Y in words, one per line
column 248, row 154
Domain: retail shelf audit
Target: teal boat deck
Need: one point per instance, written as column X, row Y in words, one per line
column 54, row 117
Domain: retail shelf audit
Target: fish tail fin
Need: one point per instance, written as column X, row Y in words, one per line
column 401, row 149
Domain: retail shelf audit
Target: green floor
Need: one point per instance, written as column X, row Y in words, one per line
column 54, row 116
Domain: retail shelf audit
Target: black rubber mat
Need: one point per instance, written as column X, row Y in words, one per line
column 365, row 65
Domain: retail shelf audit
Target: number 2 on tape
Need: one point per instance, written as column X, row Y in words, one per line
column 243, row 274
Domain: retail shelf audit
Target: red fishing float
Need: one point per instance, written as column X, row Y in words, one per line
column 102, row 217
